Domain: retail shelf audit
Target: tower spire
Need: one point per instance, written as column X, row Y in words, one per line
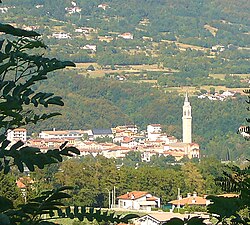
column 186, row 97
column 187, row 121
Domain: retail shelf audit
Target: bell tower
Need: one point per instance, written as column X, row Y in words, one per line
column 187, row 121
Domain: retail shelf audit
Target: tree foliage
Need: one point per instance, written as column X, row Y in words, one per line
column 20, row 104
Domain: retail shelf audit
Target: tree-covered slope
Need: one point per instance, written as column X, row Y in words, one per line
column 102, row 103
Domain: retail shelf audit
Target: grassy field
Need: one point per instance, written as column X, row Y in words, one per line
column 222, row 76
column 183, row 46
column 211, row 29
column 134, row 70
column 100, row 72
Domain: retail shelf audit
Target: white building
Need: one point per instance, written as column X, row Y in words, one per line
column 62, row 134
column 138, row 200
column 103, row 6
column 90, row 47
column 126, row 36
column 159, row 218
column 154, row 131
column 18, row 134
column 187, row 121
column 61, row 35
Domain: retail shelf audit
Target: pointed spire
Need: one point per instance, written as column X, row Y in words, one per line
column 186, row 97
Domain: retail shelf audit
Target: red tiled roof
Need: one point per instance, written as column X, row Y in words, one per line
column 133, row 195
column 20, row 184
column 19, row 129
column 190, row 201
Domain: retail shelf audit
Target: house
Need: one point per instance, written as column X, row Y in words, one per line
column 154, row 131
column 23, row 183
column 90, row 47
column 138, row 200
column 128, row 142
column 39, row 6
column 101, row 133
column 103, row 6
column 115, row 152
column 3, row 9
column 61, row 35
column 62, row 134
column 159, row 218
column 190, row 200
column 18, row 134
column 72, row 10
column 126, row 36
column 179, row 150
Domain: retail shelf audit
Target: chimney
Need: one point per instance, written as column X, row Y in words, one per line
column 188, row 195
column 194, row 194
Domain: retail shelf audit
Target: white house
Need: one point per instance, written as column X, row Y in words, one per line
column 3, row 9
column 158, row 218
column 154, row 131
column 190, row 200
column 126, row 36
column 138, row 200
column 103, row 6
column 129, row 142
column 90, row 47
column 61, row 35
column 62, row 134
column 18, row 134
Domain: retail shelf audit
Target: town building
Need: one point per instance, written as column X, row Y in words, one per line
column 187, row 122
column 154, row 131
column 18, row 134
column 102, row 133
column 126, row 36
column 190, row 200
column 61, row 35
column 138, row 200
column 103, row 6
column 159, row 218
column 62, row 134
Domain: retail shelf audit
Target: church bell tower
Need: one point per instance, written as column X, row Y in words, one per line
column 187, row 121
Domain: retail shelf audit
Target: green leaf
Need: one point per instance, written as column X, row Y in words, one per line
column 6, row 169
column 58, row 196
column 1, row 44
column 129, row 217
column 5, row 220
column 5, row 143
column 55, row 101
column 196, row 221
column 8, row 29
column 16, row 146
column 63, row 188
column 5, row 204
column 174, row 221
column 8, row 47
column 63, row 145
column 8, row 87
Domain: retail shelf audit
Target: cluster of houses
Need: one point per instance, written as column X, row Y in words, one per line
column 218, row 97
column 120, row 140
column 124, row 139
column 144, row 202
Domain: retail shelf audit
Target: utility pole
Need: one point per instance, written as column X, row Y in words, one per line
column 109, row 196
column 178, row 196
column 114, row 196
column 112, row 199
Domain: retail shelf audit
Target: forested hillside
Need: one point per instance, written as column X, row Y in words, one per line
column 188, row 42
column 102, row 103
